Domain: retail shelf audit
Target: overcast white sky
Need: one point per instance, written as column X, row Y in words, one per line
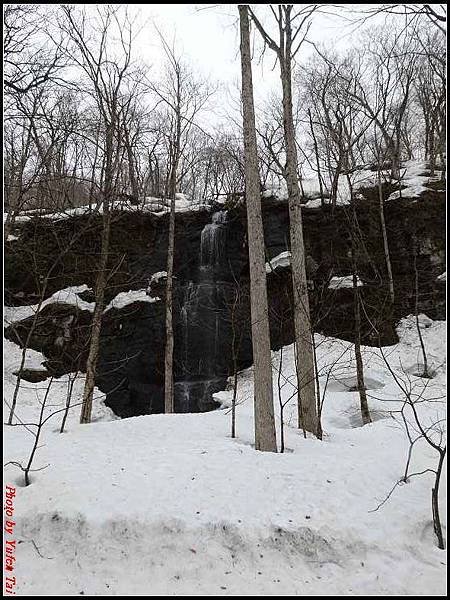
column 208, row 36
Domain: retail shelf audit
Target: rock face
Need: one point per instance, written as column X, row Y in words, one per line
column 211, row 292
column 33, row 375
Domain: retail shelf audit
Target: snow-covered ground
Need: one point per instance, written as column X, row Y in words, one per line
column 170, row 504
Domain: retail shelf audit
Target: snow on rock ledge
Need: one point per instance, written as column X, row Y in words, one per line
column 414, row 180
column 125, row 298
column 281, row 260
column 69, row 295
column 344, row 282
column 156, row 277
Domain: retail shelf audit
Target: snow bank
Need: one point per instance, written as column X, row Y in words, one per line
column 413, row 181
column 434, row 341
column 33, row 359
column 171, row 505
column 279, row 192
column 32, row 394
column 316, row 203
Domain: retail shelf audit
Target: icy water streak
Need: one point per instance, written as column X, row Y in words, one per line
column 202, row 324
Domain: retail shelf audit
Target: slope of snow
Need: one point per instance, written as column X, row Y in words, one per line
column 33, row 359
column 170, row 504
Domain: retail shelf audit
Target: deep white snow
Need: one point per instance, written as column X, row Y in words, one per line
column 170, row 504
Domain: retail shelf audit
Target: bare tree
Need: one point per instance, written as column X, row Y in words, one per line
column 360, row 383
column 106, row 75
column 183, row 97
column 430, row 90
column 293, row 27
column 425, row 371
column 380, row 160
column 20, row 175
column 435, row 14
column 419, row 428
column 31, row 56
column 265, row 436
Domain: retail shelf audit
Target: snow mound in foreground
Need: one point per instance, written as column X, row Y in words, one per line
column 170, row 558
column 170, row 504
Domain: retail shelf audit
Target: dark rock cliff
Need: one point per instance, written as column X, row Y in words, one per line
column 211, row 297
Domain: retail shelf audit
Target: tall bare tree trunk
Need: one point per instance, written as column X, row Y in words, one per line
column 234, row 349
column 435, row 501
column 365, row 413
column 387, row 256
column 265, row 435
column 316, row 152
column 94, row 346
column 131, row 166
column 101, row 281
column 432, row 151
column 168, row 356
column 416, row 310
column 307, row 413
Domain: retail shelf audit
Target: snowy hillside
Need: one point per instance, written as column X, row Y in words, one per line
column 170, row 504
